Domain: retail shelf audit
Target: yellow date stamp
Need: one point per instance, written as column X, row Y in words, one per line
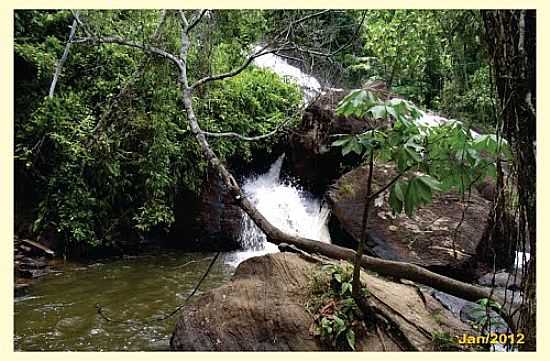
column 492, row 339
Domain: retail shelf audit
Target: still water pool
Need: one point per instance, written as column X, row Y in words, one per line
column 59, row 310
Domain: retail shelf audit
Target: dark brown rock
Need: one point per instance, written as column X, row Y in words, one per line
column 425, row 239
column 310, row 157
column 219, row 218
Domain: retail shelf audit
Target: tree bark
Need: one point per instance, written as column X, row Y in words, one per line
column 512, row 47
column 399, row 270
column 276, row 236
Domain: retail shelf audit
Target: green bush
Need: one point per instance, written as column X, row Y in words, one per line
column 108, row 154
column 337, row 318
column 253, row 103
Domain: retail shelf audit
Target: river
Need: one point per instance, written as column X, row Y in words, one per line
column 59, row 310
column 58, row 313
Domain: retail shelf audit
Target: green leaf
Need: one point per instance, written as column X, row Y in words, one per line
column 378, row 111
column 398, row 188
column 350, row 338
column 391, row 111
column 346, row 286
column 431, row 182
column 411, row 198
column 339, row 325
column 357, row 147
column 341, row 141
column 396, row 204
column 424, row 192
column 413, row 155
column 347, row 148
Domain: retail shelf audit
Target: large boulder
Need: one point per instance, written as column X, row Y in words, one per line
column 427, row 239
column 310, row 158
column 219, row 218
column 262, row 309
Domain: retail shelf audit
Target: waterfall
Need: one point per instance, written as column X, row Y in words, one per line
column 309, row 85
column 286, row 206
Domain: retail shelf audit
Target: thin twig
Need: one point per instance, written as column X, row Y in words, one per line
column 238, row 70
column 195, row 21
column 384, row 188
column 61, row 61
column 121, row 41
column 99, row 307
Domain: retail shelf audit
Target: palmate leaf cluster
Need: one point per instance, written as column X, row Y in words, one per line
column 429, row 159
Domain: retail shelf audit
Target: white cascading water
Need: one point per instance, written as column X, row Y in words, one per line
column 286, row 206
column 309, row 85
column 432, row 120
column 261, row 188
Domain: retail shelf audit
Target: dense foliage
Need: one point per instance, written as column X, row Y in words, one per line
column 107, row 155
column 435, row 58
column 104, row 160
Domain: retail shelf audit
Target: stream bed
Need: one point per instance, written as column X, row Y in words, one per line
column 58, row 311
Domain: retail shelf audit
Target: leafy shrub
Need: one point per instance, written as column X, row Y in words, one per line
column 427, row 159
column 253, row 103
column 336, row 320
column 108, row 154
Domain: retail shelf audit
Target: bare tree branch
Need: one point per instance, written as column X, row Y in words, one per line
column 262, row 51
column 162, row 19
column 292, row 24
column 84, row 27
column 133, row 77
column 240, row 136
column 339, row 49
column 61, row 61
column 238, row 70
column 196, row 20
column 133, row 44
column 389, row 184
column 247, row 138
column 123, row 91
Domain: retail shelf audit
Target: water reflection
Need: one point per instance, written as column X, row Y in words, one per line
column 59, row 311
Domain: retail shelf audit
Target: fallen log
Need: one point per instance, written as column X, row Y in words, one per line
column 275, row 235
column 38, row 246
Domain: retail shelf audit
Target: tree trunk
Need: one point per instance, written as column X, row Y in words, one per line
column 275, row 235
column 512, row 46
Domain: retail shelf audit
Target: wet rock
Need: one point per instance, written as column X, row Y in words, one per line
column 487, row 189
column 425, row 239
column 262, row 309
column 33, row 247
column 23, row 273
column 30, row 263
column 452, row 303
column 21, row 289
column 310, row 157
column 69, row 323
column 502, row 280
column 219, row 218
column 471, row 313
